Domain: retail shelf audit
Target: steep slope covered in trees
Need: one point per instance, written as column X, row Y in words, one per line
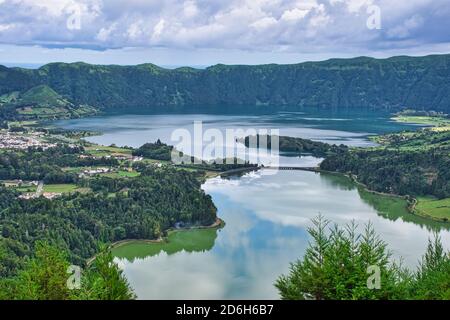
column 395, row 83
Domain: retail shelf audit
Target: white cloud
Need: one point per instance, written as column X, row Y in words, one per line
column 190, row 9
column 294, row 14
column 5, row 27
column 135, row 30
column 355, row 6
column 52, row 7
column 404, row 30
column 159, row 27
column 264, row 23
column 105, row 33
column 310, row 26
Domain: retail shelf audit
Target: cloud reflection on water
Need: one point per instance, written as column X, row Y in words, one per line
column 265, row 231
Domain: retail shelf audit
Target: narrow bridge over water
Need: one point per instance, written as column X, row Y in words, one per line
column 313, row 169
column 282, row 168
column 248, row 169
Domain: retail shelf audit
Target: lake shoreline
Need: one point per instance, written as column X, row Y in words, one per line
column 412, row 202
column 260, row 232
column 218, row 224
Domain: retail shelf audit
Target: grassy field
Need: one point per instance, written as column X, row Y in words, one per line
column 43, row 111
column 421, row 140
column 438, row 123
column 53, row 188
column 28, row 123
column 100, row 151
column 441, row 129
column 75, row 169
column 60, row 188
column 27, row 189
column 438, row 209
column 122, row 174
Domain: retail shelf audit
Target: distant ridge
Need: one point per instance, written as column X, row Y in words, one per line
column 421, row 83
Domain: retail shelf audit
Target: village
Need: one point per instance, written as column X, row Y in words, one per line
column 35, row 139
column 21, row 141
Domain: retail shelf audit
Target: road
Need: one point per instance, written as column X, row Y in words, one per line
column 40, row 189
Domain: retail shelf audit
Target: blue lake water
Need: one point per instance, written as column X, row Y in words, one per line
column 266, row 212
column 349, row 127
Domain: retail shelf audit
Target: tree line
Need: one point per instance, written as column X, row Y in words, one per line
column 139, row 208
column 343, row 264
column 417, row 172
column 46, row 277
column 47, row 165
column 296, row 145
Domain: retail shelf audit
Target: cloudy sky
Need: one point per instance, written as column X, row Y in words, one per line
column 205, row 32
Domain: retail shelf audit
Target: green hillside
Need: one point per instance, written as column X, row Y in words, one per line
column 41, row 102
column 43, row 96
column 420, row 83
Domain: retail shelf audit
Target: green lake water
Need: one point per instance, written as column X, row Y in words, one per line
column 196, row 240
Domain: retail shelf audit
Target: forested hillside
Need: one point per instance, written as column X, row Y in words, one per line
column 409, row 163
column 104, row 208
column 395, row 83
